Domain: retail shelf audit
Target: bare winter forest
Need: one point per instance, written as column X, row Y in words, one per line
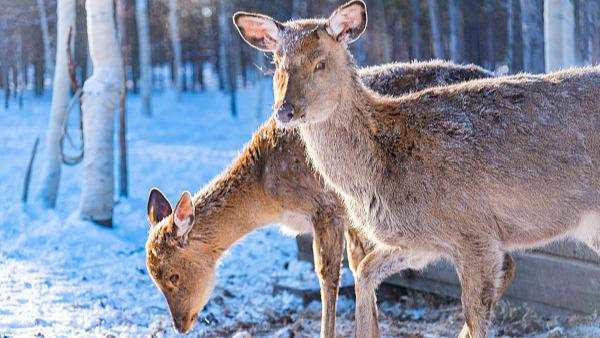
column 102, row 100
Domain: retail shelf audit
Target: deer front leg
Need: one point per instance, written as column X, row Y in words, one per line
column 358, row 247
column 372, row 270
column 508, row 274
column 328, row 247
column 483, row 275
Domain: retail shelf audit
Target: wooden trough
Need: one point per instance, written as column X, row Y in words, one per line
column 563, row 278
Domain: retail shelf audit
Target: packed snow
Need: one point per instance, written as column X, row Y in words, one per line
column 62, row 277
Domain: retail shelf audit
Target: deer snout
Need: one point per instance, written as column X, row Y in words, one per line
column 285, row 112
column 183, row 324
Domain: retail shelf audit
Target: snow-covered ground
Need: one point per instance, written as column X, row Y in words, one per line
column 61, row 277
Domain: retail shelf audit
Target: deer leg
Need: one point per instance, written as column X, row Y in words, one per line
column 372, row 270
column 328, row 247
column 508, row 274
column 482, row 271
column 357, row 247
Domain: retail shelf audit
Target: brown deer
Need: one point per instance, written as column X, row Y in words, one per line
column 465, row 172
column 270, row 182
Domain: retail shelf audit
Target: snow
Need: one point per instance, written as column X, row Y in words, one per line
column 63, row 277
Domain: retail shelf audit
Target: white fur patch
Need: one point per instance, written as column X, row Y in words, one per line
column 294, row 223
column 588, row 228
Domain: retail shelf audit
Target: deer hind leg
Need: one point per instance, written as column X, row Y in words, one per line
column 328, row 247
column 508, row 274
column 372, row 270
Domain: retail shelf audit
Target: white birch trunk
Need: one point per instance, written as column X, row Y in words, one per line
column 436, row 33
column 141, row 8
column 60, row 95
column 176, row 43
column 559, row 34
column 46, row 38
column 101, row 95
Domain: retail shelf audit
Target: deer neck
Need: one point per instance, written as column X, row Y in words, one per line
column 344, row 148
column 235, row 203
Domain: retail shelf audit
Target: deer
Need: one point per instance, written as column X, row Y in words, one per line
column 466, row 172
column 269, row 182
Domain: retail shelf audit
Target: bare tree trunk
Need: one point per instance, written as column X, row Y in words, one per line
column 60, row 95
column 436, row 33
column 559, row 32
column 456, row 30
column 101, row 94
column 141, row 9
column 416, row 29
column 533, row 35
column 510, row 35
column 379, row 50
column 588, row 31
column 488, row 8
column 46, row 38
column 176, row 43
column 224, row 40
column 122, row 28
column 226, row 60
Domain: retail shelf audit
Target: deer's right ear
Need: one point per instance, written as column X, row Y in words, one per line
column 259, row 31
column 158, row 207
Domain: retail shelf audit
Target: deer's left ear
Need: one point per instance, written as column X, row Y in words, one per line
column 348, row 22
column 183, row 217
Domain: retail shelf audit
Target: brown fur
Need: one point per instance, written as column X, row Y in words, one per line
column 468, row 172
column 269, row 180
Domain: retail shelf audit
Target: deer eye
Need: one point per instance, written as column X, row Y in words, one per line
column 174, row 278
column 320, row 65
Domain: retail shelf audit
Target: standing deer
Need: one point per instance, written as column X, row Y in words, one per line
column 270, row 182
column 465, row 172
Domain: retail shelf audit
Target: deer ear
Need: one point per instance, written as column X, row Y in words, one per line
column 183, row 218
column 259, row 31
column 348, row 22
column 158, row 207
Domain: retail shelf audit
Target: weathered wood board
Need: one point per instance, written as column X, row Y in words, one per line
column 561, row 278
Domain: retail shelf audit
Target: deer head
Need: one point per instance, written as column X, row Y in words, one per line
column 313, row 66
column 184, row 273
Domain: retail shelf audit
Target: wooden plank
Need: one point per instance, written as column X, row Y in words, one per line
column 571, row 249
column 552, row 283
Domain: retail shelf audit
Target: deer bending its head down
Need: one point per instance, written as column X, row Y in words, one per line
column 468, row 172
column 270, row 182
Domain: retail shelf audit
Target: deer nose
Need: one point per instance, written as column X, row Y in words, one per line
column 285, row 112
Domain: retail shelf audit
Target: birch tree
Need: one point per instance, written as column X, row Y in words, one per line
column 559, row 34
column 60, row 93
column 141, row 15
column 101, row 94
column 532, row 27
column 436, row 33
column 45, row 38
column 176, row 44
column 416, row 29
